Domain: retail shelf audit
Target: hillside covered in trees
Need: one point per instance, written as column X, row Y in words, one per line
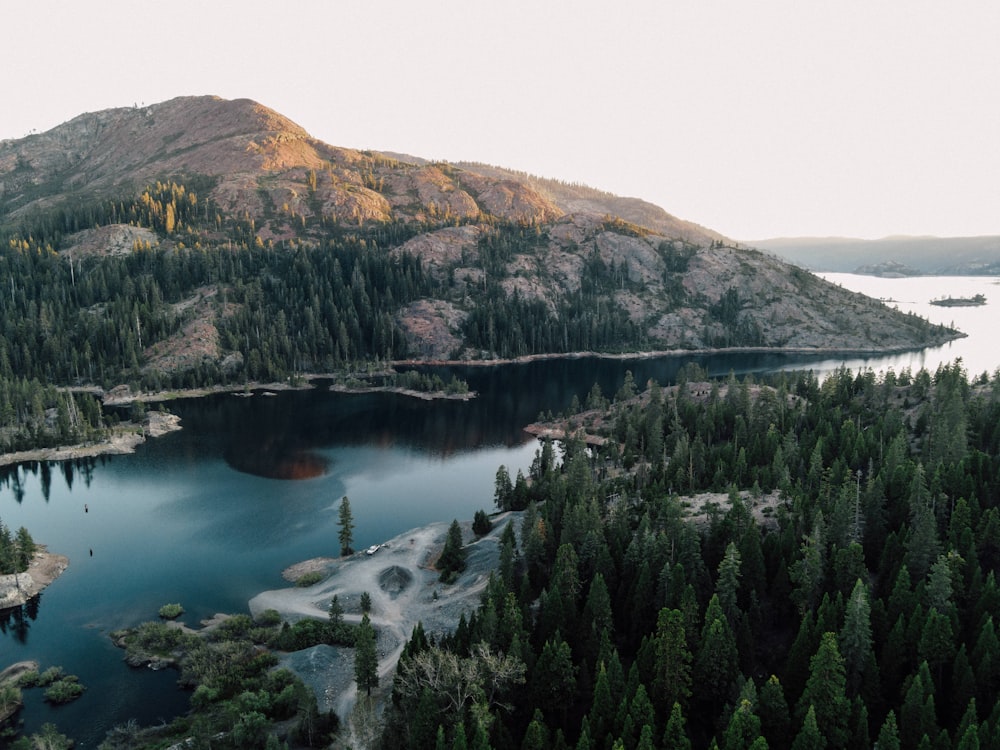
column 862, row 609
column 733, row 564
column 204, row 241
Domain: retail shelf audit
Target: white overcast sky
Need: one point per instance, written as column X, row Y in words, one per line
column 757, row 119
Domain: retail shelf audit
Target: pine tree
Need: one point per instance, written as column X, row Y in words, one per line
column 452, row 560
column 922, row 545
column 365, row 657
column 346, row 534
column 675, row 735
column 602, row 708
column 775, row 720
column 825, row 694
column 809, row 737
column 728, row 584
column 672, row 681
column 937, row 644
column 888, row 736
column 743, row 729
column 718, row 661
column 856, row 638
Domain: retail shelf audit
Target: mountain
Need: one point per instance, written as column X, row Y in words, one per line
column 891, row 256
column 202, row 239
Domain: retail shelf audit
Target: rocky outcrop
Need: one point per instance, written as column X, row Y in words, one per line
column 18, row 588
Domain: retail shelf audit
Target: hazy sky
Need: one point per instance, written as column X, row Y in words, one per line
column 756, row 119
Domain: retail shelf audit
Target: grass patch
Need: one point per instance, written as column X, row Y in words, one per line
column 171, row 611
column 309, row 579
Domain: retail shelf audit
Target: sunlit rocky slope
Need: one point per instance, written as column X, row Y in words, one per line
column 512, row 265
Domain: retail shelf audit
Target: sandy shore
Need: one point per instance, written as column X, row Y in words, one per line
column 404, row 590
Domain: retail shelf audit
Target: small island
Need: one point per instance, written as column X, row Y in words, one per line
column 974, row 301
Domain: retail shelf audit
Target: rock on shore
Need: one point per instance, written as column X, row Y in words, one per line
column 18, row 588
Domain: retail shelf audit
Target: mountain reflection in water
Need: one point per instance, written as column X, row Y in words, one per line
column 273, row 459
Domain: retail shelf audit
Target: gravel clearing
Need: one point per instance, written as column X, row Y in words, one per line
column 403, row 585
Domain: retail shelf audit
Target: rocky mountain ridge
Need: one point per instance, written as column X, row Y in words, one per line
column 516, row 265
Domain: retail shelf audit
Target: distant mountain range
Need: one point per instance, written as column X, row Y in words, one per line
column 432, row 260
column 891, row 256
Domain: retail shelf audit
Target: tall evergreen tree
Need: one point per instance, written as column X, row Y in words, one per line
column 365, row 656
column 810, row 737
column 672, row 681
column 825, row 693
column 675, row 734
column 346, row 522
column 856, row 639
column 717, row 663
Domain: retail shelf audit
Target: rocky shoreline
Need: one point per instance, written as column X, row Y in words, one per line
column 17, row 588
column 123, row 439
column 127, row 436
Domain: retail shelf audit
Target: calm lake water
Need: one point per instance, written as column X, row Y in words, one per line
column 196, row 517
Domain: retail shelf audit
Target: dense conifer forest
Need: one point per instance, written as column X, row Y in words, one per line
column 860, row 608
column 844, row 594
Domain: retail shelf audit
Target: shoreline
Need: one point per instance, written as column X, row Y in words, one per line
column 127, row 436
column 658, row 353
column 17, row 588
column 124, row 439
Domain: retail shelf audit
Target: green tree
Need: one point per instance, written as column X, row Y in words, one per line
column 452, row 560
column 24, row 549
column 775, row 720
column 922, row 545
column 481, row 523
column 346, row 523
column 825, row 694
column 728, row 584
column 856, row 639
column 365, row 656
column 888, row 735
column 672, row 681
column 717, row 663
column 807, row 572
column 810, row 737
column 335, row 613
column 675, row 734
column 553, row 681
column 937, row 643
column 743, row 729
column 503, row 490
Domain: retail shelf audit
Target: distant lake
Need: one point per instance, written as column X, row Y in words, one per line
column 914, row 294
column 196, row 517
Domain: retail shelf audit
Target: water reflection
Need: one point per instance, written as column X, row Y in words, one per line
column 16, row 621
column 273, row 458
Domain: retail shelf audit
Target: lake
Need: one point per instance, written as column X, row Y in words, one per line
column 198, row 517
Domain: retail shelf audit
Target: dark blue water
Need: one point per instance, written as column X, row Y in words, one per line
column 198, row 517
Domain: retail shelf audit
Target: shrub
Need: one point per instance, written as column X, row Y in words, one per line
column 50, row 675
column 269, row 618
column 65, row 690
column 171, row 611
column 309, row 579
column 28, row 679
column 155, row 638
column 233, row 628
